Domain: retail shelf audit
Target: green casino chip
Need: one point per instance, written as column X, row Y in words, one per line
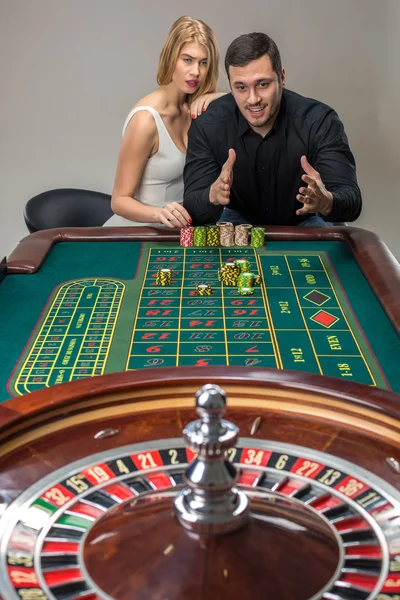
column 245, row 291
column 257, row 237
column 245, row 279
column 243, row 264
column 200, row 236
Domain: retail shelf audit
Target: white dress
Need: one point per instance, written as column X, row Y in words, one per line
column 162, row 179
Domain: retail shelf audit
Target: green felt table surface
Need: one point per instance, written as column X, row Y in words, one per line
column 315, row 312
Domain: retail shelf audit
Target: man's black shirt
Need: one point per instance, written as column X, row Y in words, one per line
column 267, row 172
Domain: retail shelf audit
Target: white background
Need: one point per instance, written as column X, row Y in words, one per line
column 70, row 70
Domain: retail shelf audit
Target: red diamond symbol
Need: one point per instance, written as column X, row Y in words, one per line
column 324, row 318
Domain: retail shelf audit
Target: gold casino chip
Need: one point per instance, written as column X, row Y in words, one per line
column 204, row 289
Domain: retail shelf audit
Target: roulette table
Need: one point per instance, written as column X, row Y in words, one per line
column 98, row 501
column 77, row 303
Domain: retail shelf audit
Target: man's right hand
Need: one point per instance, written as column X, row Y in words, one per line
column 221, row 188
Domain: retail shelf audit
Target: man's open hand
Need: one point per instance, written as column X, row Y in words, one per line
column 221, row 188
column 315, row 197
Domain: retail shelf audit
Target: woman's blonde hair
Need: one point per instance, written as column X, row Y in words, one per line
column 185, row 30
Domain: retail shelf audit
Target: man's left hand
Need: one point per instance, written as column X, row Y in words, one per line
column 315, row 197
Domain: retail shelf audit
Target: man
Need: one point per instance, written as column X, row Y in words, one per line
column 266, row 155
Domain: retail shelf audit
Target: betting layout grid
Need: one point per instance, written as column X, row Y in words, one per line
column 175, row 326
column 42, row 535
column 74, row 339
column 296, row 319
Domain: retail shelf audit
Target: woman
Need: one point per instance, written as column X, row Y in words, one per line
column 148, row 187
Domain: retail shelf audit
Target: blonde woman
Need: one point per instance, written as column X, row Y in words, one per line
column 148, row 187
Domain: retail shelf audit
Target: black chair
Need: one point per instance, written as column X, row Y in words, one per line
column 67, row 208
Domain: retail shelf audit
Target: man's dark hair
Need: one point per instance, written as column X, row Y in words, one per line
column 251, row 46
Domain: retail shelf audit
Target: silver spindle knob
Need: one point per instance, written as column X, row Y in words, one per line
column 210, row 503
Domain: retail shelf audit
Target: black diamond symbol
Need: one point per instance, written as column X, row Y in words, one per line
column 317, row 298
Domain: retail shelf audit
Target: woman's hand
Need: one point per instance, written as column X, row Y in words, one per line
column 202, row 103
column 174, row 215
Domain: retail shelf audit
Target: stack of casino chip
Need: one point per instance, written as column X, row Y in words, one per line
column 229, row 274
column 245, row 280
column 231, row 265
column 204, row 289
column 242, row 235
column 200, row 236
column 245, row 291
column 164, row 277
column 213, row 233
column 187, row 236
column 257, row 280
column 243, row 264
column 226, row 234
column 230, row 268
column 257, row 237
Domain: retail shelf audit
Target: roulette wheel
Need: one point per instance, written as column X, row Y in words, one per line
column 279, row 487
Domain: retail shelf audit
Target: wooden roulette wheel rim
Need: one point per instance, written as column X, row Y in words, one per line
column 316, row 420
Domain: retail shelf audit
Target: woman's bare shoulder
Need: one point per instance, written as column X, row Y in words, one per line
column 154, row 100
